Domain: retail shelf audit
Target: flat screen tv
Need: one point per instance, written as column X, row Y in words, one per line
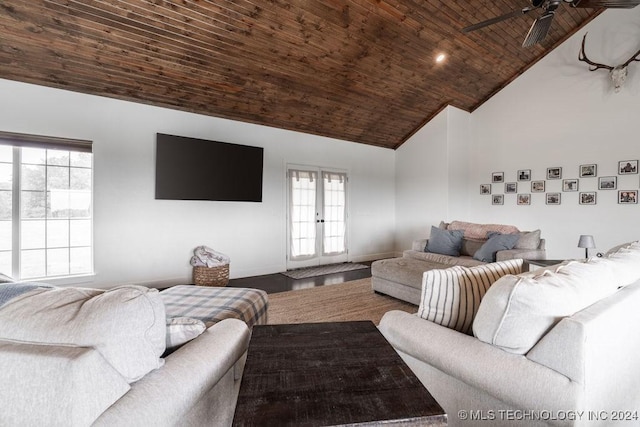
column 197, row 169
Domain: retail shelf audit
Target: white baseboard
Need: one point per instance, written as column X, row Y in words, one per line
column 372, row 257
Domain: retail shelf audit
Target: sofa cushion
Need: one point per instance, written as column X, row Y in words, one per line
column 496, row 242
column 519, row 310
column 444, row 242
column 471, row 246
column 451, row 297
column 626, row 259
column 181, row 330
column 528, row 240
column 5, row 279
column 479, row 231
column 126, row 325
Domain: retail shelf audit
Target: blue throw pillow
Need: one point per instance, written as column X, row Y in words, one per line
column 496, row 242
column 445, row 242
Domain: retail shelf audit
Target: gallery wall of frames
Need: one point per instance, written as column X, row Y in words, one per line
column 561, row 180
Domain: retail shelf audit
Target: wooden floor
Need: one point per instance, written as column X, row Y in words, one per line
column 274, row 283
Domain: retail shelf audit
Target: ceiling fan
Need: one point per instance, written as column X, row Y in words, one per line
column 541, row 25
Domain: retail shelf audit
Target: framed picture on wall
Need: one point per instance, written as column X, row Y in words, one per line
column 524, row 199
column 588, row 171
column 553, row 198
column 628, row 197
column 497, row 177
column 569, row 185
column 627, row 166
column 588, row 198
column 607, row 183
column 485, row 188
column 524, row 175
column 554, row 173
column 497, row 199
column 537, row 186
column 511, row 187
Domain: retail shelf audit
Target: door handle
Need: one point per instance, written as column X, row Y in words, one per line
column 320, row 220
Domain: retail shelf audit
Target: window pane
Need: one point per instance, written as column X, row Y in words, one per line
column 34, row 156
column 82, row 160
column 5, row 236
column 32, row 235
column 58, row 157
column 57, row 234
column 6, row 176
column 57, row 178
column 6, row 153
column 57, row 262
column 80, row 261
column 58, row 204
column 6, row 207
column 80, row 179
column 80, row 232
column 80, row 204
column 32, row 264
column 5, row 263
column 33, row 204
column 33, row 177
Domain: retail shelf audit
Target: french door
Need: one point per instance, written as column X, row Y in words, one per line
column 317, row 219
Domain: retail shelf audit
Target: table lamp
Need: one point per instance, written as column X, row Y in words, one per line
column 586, row 241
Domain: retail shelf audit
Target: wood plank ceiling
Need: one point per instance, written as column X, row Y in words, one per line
column 357, row 70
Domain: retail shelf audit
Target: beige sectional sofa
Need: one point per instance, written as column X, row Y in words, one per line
column 80, row 357
column 552, row 347
column 402, row 277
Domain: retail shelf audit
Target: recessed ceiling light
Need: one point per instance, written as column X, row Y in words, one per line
column 440, row 58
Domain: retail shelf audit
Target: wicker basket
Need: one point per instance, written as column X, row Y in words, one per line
column 214, row 276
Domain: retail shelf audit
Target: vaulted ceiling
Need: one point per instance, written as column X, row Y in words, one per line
column 357, row 70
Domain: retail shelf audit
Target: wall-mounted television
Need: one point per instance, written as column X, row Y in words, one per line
column 197, row 169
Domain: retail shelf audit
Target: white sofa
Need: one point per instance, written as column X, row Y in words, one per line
column 80, row 357
column 541, row 358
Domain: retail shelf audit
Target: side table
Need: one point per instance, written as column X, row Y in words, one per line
column 534, row 264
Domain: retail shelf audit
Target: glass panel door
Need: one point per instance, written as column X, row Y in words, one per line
column 317, row 226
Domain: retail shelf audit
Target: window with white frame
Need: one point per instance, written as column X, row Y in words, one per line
column 46, row 215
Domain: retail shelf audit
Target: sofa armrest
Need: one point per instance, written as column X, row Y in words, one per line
column 521, row 253
column 59, row 385
column 508, row 377
column 164, row 396
column 419, row 245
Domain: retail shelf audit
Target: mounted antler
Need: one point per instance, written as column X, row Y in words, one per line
column 618, row 73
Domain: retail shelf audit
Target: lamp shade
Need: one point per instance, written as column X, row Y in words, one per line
column 586, row 241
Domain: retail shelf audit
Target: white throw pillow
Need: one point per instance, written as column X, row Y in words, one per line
column 181, row 330
column 126, row 324
column 519, row 310
column 451, row 297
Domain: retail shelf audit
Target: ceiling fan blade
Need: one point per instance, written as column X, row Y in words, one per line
column 621, row 4
column 497, row 19
column 539, row 29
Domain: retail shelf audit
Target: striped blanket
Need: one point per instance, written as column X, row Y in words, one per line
column 212, row 305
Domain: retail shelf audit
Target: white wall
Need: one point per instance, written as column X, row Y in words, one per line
column 431, row 176
column 138, row 239
column 556, row 114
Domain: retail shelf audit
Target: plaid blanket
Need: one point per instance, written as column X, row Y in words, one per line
column 9, row 291
column 212, row 305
